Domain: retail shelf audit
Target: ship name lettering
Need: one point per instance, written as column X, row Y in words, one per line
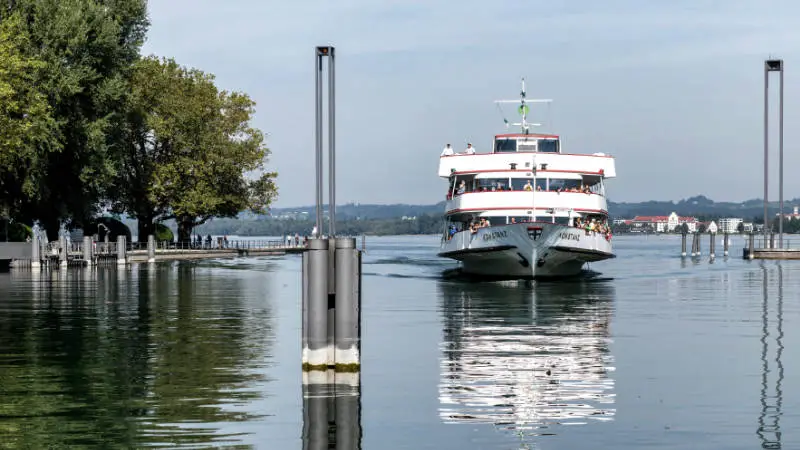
column 495, row 235
column 570, row 235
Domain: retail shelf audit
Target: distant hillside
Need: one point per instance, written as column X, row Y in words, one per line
column 408, row 218
column 357, row 211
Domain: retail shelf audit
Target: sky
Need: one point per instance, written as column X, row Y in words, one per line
column 674, row 90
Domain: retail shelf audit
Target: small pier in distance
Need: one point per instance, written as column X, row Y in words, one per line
column 89, row 252
column 768, row 248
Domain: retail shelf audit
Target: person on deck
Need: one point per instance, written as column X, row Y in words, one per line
column 470, row 149
column 447, row 151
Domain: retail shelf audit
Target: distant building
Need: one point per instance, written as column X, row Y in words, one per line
column 663, row 224
column 795, row 214
column 730, row 224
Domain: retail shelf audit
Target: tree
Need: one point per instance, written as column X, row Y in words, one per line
column 740, row 227
column 189, row 150
column 87, row 47
column 683, row 228
column 26, row 123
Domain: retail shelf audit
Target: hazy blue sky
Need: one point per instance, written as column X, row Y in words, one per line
column 673, row 89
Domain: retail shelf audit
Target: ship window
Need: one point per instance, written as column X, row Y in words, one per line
column 564, row 185
column 518, row 184
column 519, row 219
column 492, row 184
column 562, row 220
column 505, row 145
column 548, row 146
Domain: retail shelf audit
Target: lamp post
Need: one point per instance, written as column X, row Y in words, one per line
column 773, row 65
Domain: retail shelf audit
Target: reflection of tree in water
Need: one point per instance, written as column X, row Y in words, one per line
column 107, row 361
column 526, row 357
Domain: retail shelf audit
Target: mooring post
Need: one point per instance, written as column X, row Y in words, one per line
column 87, row 250
column 726, row 242
column 712, row 245
column 122, row 254
column 699, row 243
column 304, row 326
column 347, row 327
column 694, row 244
column 36, row 255
column 63, row 255
column 315, row 354
column 332, row 302
column 751, row 245
column 771, row 240
column 683, row 244
column 151, row 249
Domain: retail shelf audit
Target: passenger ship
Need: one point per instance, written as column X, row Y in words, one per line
column 526, row 209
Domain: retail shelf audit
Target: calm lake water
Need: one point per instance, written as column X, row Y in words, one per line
column 655, row 352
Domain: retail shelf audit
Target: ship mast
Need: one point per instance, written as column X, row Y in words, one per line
column 523, row 109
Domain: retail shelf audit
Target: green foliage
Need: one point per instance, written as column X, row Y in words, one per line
column 163, row 233
column 15, row 231
column 189, row 148
column 27, row 128
column 86, row 47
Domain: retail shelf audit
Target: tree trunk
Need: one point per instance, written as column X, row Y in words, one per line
column 145, row 227
column 185, row 227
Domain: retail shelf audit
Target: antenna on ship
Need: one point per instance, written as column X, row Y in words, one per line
column 523, row 109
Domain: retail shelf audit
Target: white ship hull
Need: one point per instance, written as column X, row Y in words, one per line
column 526, row 250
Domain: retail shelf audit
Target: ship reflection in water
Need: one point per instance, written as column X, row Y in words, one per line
column 525, row 356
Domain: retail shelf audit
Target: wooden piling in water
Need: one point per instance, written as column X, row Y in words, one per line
column 712, row 244
column 683, row 244
column 726, row 241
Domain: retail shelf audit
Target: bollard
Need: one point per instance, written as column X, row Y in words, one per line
column 122, row 256
column 348, row 305
column 712, row 244
column 726, row 243
column 87, row 250
column 683, row 244
column 694, row 245
column 63, row 254
column 772, row 240
column 151, row 249
column 752, row 245
column 36, row 255
column 315, row 354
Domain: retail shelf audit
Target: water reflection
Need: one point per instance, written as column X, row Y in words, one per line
column 140, row 356
column 331, row 411
column 526, row 357
column 769, row 430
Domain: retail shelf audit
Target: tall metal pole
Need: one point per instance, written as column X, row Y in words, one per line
column 780, row 161
column 332, row 146
column 766, row 149
column 318, row 107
